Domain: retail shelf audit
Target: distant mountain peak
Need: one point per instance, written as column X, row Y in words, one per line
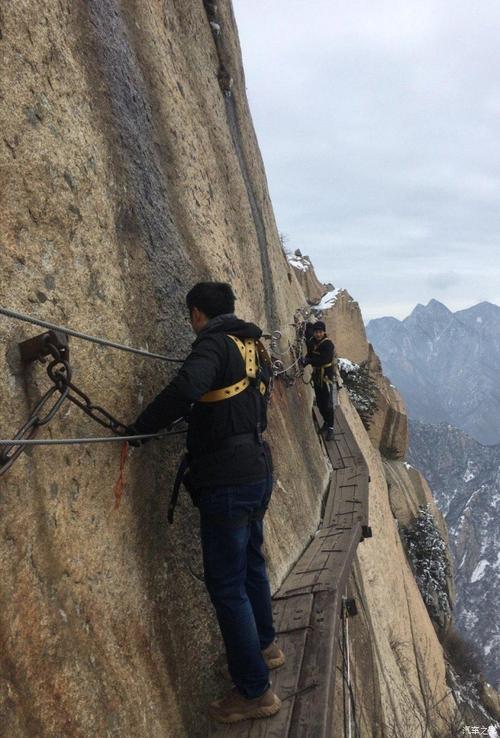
column 481, row 308
column 434, row 308
column 438, row 311
column 444, row 364
column 436, row 303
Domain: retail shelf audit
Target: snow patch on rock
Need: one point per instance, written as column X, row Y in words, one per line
column 345, row 365
column 478, row 572
column 297, row 261
column 328, row 300
column 468, row 474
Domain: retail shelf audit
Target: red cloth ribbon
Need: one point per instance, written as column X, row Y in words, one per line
column 120, row 482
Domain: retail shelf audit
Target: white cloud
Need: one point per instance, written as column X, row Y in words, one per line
column 378, row 123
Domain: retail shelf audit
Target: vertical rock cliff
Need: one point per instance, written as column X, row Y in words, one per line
column 127, row 175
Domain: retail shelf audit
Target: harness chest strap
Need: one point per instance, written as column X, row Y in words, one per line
column 247, row 351
column 322, row 368
column 322, row 373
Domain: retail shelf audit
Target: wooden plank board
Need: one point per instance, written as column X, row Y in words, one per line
column 340, row 422
column 354, row 498
column 347, row 498
column 353, row 475
column 311, row 705
column 313, row 561
column 351, row 441
column 343, row 502
column 307, row 560
column 334, row 454
column 331, row 500
column 332, row 447
column 343, row 569
column 341, row 551
column 292, row 620
column 313, row 710
column 295, row 619
column 335, row 551
column 331, row 531
column 304, row 579
column 344, row 449
column 340, row 555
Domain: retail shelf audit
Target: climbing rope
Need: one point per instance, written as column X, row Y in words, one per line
column 77, row 334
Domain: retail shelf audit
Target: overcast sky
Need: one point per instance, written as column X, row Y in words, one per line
column 379, row 124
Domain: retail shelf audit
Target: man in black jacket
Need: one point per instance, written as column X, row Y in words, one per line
column 320, row 353
column 230, row 479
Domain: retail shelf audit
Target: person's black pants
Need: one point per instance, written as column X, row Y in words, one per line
column 324, row 401
column 236, row 578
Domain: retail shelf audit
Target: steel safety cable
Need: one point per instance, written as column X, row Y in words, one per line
column 282, row 371
column 86, row 337
column 91, row 439
column 346, row 666
column 343, row 671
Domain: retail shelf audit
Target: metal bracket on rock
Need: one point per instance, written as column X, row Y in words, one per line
column 43, row 345
column 53, row 345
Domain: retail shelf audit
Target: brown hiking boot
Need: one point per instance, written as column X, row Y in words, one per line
column 273, row 656
column 234, row 707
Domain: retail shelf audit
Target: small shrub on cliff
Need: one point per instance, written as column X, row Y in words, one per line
column 361, row 387
column 463, row 655
column 429, row 560
column 390, row 452
column 284, row 239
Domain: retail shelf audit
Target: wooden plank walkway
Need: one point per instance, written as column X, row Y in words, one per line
column 307, row 606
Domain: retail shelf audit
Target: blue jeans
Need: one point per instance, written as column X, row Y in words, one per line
column 236, row 578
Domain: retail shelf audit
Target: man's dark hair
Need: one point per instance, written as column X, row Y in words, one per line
column 212, row 298
column 319, row 326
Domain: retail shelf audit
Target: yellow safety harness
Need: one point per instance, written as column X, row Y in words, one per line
column 320, row 370
column 251, row 351
column 254, row 355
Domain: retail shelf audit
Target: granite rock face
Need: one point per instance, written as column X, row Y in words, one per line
column 302, row 267
column 128, row 175
column 393, row 641
column 408, row 493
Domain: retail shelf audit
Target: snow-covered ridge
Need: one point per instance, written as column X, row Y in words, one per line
column 302, row 263
column 328, row 300
column 345, row 365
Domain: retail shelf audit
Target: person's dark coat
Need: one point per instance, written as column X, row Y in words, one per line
column 214, row 362
column 320, row 353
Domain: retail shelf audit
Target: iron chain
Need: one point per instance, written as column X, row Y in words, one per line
column 59, row 372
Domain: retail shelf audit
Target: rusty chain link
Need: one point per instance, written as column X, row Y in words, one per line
column 59, row 372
